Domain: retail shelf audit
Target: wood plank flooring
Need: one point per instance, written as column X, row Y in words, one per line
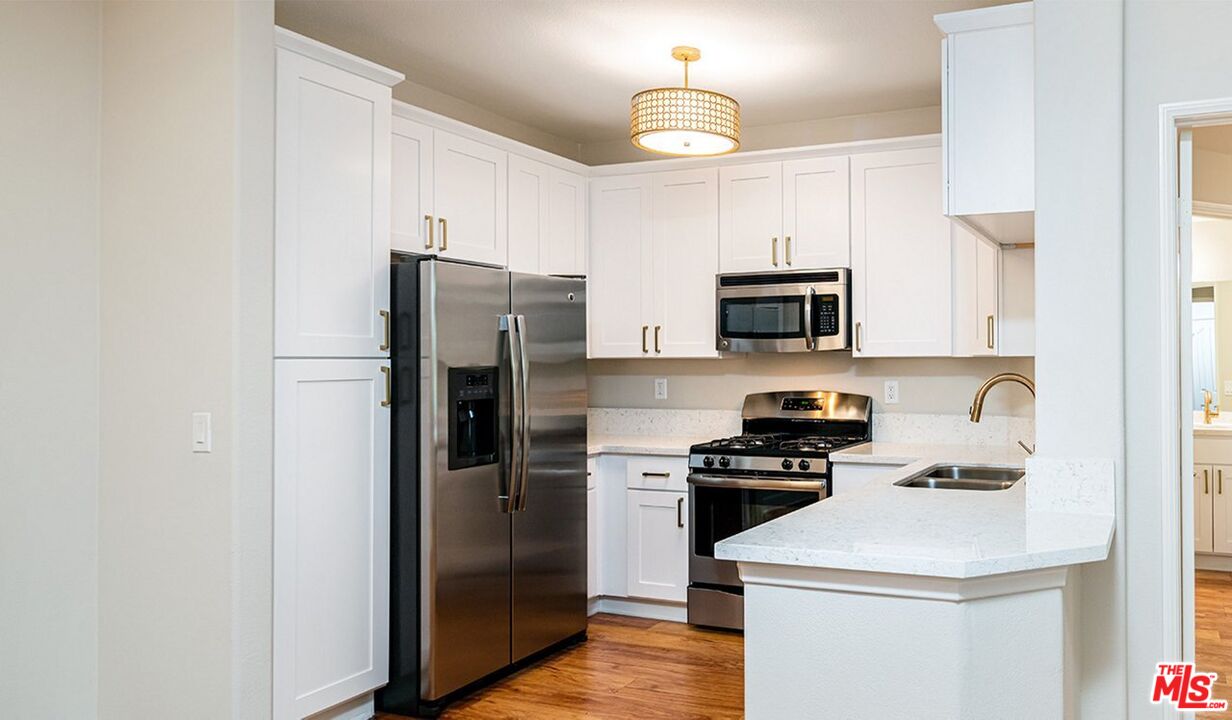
column 1213, row 631
column 628, row 668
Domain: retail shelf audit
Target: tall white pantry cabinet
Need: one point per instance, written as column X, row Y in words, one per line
column 331, row 377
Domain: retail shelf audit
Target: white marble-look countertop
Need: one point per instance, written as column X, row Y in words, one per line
column 671, row 445
column 1221, row 426
column 881, row 453
column 937, row 533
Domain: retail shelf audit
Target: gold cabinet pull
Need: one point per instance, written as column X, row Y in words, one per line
column 774, row 251
column 680, row 512
column 389, row 389
column 992, row 323
column 859, row 347
column 1206, row 482
column 1219, row 474
column 444, row 234
column 385, row 319
column 658, row 330
column 787, row 249
column 645, row 328
column 431, row 238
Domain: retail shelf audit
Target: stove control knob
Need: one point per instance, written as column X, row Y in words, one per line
column 786, row 463
column 724, row 461
column 804, row 465
column 708, row 461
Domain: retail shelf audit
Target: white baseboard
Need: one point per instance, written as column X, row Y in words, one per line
column 359, row 708
column 650, row 609
column 1206, row 561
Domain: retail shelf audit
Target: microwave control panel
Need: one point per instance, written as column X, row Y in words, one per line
column 825, row 315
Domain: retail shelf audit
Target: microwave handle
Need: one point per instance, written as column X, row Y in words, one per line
column 809, row 342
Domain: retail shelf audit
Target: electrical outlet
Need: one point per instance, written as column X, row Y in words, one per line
column 891, row 392
column 660, row 388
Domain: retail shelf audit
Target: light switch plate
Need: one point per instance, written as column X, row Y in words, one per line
column 660, row 388
column 1227, row 387
column 202, row 433
column 891, row 392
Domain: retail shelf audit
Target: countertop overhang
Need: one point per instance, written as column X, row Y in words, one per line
column 938, row 533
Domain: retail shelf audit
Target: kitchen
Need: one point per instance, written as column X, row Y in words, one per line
column 656, row 414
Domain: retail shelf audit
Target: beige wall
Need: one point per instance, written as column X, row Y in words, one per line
column 1212, row 181
column 176, row 531
column 49, row 154
column 926, row 385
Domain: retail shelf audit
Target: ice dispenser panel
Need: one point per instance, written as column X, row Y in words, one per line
column 473, row 417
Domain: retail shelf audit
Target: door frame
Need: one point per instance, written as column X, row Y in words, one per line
column 1176, row 492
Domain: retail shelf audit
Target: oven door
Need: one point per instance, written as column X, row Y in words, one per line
column 778, row 313
column 722, row 506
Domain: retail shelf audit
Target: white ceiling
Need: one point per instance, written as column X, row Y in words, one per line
column 568, row 67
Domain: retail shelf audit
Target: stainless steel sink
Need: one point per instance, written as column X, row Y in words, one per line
column 962, row 477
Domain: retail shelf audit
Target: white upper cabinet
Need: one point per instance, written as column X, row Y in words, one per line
column 900, row 255
column 685, row 258
column 529, row 187
column 988, row 118
column 413, row 230
column 618, row 288
column 816, row 213
column 470, row 198
column 547, row 219
column 332, row 198
column 751, row 220
column 784, row 215
column 977, row 269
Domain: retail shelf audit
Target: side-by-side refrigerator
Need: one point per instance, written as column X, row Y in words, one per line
column 488, row 483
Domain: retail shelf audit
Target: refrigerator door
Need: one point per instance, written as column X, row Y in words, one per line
column 464, row 528
column 549, row 532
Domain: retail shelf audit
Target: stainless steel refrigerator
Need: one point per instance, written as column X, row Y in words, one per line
column 489, row 476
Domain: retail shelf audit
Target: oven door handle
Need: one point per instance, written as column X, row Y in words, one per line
column 755, row 483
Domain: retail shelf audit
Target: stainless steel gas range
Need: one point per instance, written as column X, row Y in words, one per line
column 778, row 464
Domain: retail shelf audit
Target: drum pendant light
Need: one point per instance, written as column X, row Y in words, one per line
column 684, row 120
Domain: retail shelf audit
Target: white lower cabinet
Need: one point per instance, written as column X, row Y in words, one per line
column 592, row 528
column 331, row 533
column 1204, row 509
column 658, row 550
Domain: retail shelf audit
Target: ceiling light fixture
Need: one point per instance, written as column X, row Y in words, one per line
column 683, row 120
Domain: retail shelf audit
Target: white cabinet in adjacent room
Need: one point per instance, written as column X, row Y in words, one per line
column 784, row 215
column 618, row 289
column 331, row 532
column 412, row 226
column 1221, row 506
column 988, row 118
column 685, row 261
column 471, row 202
column 332, row 198
column 900, row 255
column 658, row 545
column 1204, row 509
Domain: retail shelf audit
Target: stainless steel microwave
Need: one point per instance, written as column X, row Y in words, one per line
column 791, row 311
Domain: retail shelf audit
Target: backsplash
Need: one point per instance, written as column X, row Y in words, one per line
column 887, row 427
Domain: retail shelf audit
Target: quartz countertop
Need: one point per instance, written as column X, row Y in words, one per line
column 939, row 533
column 1221, row 426
column 642, row 444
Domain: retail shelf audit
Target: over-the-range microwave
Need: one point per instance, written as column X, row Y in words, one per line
column 790, row 311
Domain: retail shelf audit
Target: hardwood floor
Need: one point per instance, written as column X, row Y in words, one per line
column 1213, row 631
column 628, row 668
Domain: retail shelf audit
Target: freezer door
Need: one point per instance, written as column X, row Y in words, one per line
column 465, row 529
column 549, row 532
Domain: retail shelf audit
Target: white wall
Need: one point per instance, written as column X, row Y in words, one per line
column 49, row 154
column 1174, row 51
column 1078, row 310
column 926, row 385
column 183, row 536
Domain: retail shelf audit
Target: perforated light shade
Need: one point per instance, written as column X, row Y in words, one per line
column 685, row 121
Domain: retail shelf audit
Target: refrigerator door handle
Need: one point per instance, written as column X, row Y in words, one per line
column 524, row 380
column 508, row 324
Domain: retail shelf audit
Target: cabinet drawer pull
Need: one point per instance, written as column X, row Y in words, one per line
column 389, row 393
column 787, row 249
column 1206, row 482
column 385, row 318
column 658, row 345
column 679, row 512
column 774, row 251
column 444, row 234
column 645, row 328
column 656, row 474
column 991, row 331
column 1219, row 474
column 859, row 346
column 431, row 237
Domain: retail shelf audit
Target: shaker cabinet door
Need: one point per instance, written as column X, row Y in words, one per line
column 412, row 224
column 751, row 218
column 658, row 544
column 816, row 213
column 471, row 198
column 685, row 259
column 618, row 289
column 1204, row 509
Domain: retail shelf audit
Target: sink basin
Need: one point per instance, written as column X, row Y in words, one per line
column 961, row 477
